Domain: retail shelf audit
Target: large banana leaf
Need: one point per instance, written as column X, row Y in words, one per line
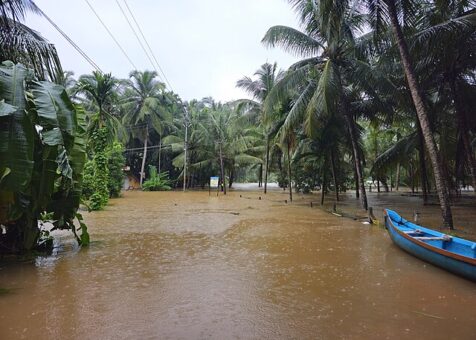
column 17, row 133
column 6, row 109
column 56, row 113
column 65, row 204
column 57, row 118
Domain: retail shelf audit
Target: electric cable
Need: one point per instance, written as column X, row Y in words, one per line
column 110, row 34
column 145, row 40
column 138, row 39
column 75, row 46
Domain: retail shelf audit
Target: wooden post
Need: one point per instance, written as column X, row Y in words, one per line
column 416, row 216
column 371, row 216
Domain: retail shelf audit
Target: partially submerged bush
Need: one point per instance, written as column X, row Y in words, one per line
column 157, row 182
column 116, row 162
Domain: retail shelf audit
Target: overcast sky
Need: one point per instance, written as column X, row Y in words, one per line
column 203, row 46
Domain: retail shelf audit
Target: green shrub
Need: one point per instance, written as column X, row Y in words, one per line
column 116, row 162
column 100, row 197
column 88, row 180
column 157, row 182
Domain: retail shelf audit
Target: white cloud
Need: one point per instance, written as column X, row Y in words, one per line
column 203, row 46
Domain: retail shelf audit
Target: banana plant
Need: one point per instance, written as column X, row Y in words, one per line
column 42, row 155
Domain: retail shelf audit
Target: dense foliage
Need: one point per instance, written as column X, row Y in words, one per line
column 382, row 96
column 42, row 155
column 115, row 165
column 100, row 196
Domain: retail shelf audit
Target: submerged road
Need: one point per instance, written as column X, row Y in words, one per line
column 188, row 266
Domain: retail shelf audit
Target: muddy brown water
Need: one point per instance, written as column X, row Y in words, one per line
column 189, row 266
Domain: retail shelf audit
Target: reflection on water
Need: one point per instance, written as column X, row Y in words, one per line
column 175, row 265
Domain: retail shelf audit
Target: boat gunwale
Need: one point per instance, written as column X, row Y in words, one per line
column 458, row 257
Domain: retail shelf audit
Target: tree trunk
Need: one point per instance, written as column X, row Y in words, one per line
column 356, row 181
column 334, row 174
column 144, row 156
column 441, row 186
column 323, row 186
column 260, row 175
column 232, row 178
column 266, row 169
column 423, row 173
column 190, row 180
column 290, row 176
column 222, row 170
column 391, row 181
column 397, row 177
column 355, row 147
column 357, row 161
column 160, row 152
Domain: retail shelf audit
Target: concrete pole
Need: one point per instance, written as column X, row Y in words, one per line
column 185, row 150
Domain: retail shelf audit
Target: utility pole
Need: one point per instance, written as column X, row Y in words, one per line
column 185, row 147
column 144, row 155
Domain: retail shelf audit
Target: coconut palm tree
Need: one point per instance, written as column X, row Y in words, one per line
column 319, row 82
column 198, row 140
column 146, row 107
column 398, row 14
column 21, row 44
column 66, row 79
column 266, row 77
column 99, row 92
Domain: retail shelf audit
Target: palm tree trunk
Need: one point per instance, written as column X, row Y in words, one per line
column 334, row 174
column 260, row 175
column 385, row 184
column 397, row 177
column 160, row 152
column 355, row 148
column 423, row 173
column 144, row 156
column 222, row 170
column 357, row 161
column 323, row 186
column 232, row 178
column 290, row 175
column 441, row 185
column 266, row 169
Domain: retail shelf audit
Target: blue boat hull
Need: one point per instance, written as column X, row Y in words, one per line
column 434, row 256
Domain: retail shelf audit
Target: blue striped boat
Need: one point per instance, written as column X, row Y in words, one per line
column 454, row 254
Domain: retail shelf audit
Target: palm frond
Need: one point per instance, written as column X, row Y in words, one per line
column 292, row 40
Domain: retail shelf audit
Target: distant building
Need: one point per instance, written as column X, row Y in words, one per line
column 130, row 181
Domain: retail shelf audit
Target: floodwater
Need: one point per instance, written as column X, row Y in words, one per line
column 192, row 266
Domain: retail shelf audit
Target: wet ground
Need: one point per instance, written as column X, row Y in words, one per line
column 192, row 266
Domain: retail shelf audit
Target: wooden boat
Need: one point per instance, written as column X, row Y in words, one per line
column 454, row 254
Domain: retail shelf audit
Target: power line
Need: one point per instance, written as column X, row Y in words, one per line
column 110, row 33
column 145, row 40
column 76, row 47
column 163, row 146
column 137, row 37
